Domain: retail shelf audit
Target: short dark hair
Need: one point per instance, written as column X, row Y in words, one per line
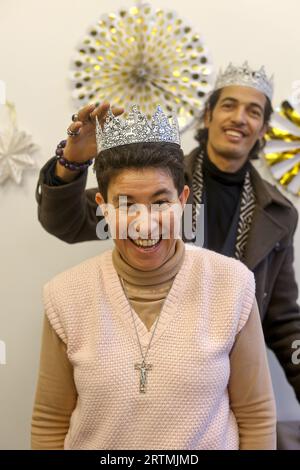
column 202, row 132
column 163, row 155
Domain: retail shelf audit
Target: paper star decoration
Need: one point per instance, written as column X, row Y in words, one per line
column 16, row 149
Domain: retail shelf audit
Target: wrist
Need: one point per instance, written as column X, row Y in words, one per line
column 64, row 174
column 66, row 169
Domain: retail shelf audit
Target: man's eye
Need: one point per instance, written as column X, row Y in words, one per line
column 227, row 105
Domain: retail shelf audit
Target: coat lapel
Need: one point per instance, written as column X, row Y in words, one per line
column 263, row 236
column 265, row 230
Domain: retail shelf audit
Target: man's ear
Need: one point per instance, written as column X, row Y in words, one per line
column 207, row 117
column 184, row 195
column 263, row 131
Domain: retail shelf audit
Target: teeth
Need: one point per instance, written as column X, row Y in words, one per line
column 234, row 133
column 145, row 243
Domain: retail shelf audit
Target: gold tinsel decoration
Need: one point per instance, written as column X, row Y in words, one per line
column 144, row 56
column 282, row 151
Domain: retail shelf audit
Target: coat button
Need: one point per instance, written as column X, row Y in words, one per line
column 265, row 294
column 277, row 246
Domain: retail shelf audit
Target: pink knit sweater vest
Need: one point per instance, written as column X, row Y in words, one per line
column 186, row 404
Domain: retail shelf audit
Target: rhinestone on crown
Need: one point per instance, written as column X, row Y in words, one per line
column 136, row 128
column 245, row 76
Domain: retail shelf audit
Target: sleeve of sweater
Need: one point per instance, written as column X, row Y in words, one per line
column 250, row 387
column 56, row 394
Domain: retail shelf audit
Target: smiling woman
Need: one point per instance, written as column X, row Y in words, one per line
column 154, row 344
column 142, row 194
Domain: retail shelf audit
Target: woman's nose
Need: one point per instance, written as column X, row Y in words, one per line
column 147, row 225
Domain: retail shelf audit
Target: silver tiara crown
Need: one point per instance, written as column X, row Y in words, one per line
column 136, row 128
column 244, row 76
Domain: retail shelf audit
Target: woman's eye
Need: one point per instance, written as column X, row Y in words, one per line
column 161, row 205
column 124, row 207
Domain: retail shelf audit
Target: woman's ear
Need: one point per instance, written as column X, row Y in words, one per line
column 184, row 195
column 101, row 203
column 99, row 199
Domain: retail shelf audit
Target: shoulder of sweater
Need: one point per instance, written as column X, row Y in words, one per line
column 219, row 263
column 72, row 292
column 79, row 276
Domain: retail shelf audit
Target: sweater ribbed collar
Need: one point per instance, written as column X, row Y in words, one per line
column 156, row 277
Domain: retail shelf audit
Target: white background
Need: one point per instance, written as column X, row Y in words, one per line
column 37, row 41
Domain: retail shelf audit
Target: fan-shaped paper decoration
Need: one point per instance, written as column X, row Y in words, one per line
column 143, row 56
column 282, row 151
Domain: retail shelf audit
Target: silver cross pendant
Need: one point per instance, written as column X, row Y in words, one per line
column 143, row 368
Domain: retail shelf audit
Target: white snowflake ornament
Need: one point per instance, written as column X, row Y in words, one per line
column 16, row 150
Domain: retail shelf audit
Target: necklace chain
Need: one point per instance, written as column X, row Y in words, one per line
column 143, row 367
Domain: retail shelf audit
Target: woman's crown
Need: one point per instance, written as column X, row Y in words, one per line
column 136, row 128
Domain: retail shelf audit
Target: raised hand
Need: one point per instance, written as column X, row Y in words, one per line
column 81, row 146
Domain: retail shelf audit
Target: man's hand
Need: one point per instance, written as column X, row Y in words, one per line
column 82, row 147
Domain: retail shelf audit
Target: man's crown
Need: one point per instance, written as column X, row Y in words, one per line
column 136, row 128
column 244, row 76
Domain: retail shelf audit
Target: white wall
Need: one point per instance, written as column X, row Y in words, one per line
column 37, row 40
